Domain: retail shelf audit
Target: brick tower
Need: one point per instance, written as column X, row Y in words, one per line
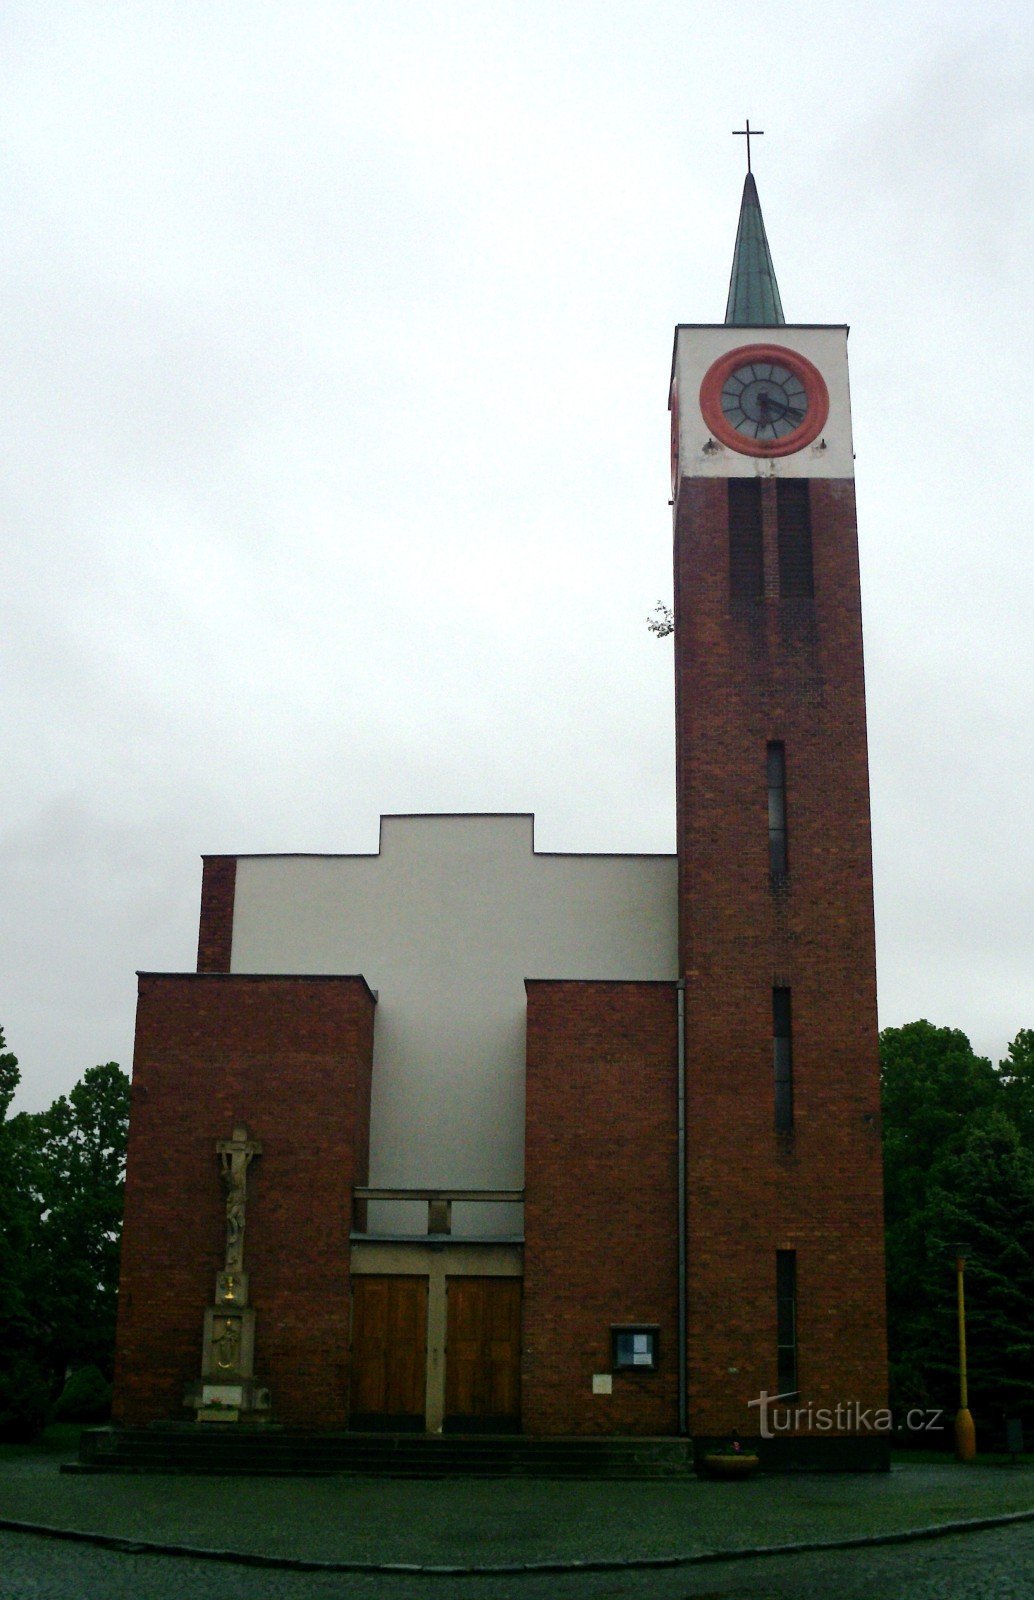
column 784, row 1245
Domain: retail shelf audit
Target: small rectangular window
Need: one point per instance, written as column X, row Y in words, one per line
column 793, row 523
column 786, row 1322
column 746, row 556
column 782, row 1049
column 776, row 765
column 634, row 1349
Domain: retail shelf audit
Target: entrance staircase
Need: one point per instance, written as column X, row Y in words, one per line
column 230, row 1450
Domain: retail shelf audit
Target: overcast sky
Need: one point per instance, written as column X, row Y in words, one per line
column 336, row 342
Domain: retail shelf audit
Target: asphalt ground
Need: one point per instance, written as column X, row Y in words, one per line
column 995, row 1565
column 481, row 1525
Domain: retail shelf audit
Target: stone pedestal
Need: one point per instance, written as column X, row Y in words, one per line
column 227, row 1390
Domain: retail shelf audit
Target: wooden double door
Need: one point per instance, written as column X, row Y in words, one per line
column 475, row 1336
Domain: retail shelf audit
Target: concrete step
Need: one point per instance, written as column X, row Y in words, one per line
column 200, row 1448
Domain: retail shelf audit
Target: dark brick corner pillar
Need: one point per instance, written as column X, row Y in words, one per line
column 215, row 938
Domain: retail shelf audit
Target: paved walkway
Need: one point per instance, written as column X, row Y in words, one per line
column 500, row 1523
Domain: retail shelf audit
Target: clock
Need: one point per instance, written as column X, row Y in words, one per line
column 764, row 400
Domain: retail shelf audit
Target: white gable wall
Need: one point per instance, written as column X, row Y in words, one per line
column 445, row 923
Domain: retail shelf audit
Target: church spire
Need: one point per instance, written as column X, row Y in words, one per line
column 753, row 292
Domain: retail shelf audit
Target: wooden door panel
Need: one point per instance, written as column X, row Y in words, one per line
column 389, row 1346
column 463, row 1347
column 483, row 1349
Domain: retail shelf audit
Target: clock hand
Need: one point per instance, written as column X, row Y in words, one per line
column 773, row 410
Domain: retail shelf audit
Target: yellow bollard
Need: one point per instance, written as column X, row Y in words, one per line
column 965, row 1432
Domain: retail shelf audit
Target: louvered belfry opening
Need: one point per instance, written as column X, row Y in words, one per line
column 793, row 520
column 746, row 551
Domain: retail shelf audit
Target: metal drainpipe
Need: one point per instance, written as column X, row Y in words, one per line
column 683, row 1420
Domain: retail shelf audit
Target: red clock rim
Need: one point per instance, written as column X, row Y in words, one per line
column 814, row 388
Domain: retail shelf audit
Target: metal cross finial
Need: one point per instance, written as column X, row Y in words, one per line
column 748, row 133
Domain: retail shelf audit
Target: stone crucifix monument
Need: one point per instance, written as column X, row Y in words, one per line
column 227, row 1391
column 235, row 1157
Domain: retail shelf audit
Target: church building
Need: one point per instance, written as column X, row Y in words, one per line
column 465, row 1136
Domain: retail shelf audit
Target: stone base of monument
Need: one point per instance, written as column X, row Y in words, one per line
column 227, row 1390
column 243, row 1400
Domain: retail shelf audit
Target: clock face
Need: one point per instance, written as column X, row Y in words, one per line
column 764, row 400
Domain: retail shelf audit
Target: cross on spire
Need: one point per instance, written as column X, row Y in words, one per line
column 748, row 133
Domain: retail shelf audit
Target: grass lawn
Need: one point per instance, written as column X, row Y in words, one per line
column 943, row 1458
column 60, row 1440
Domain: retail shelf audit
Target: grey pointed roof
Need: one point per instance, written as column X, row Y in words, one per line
column 753, row 292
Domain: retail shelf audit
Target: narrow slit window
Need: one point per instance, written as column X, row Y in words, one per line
column 746, row 558
column 793, row 522
column 782, row 1046
column 777, row 857
column 786, row 1322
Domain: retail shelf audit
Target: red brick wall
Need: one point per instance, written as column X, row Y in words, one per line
column 791, row 671
column 600, row 1209
column 290, row 1058
column 215, row 936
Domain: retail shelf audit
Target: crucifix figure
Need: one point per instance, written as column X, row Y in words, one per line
column 235, row 1157
column 748, row 133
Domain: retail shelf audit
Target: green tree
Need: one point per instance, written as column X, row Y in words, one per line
column 18, row 1219
column 79, row 1171
column 61, row 1183
column 959, row 1167
column 24, row 1382
column 986, row 1199
column 1017, row 1078
column 933, row 1085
